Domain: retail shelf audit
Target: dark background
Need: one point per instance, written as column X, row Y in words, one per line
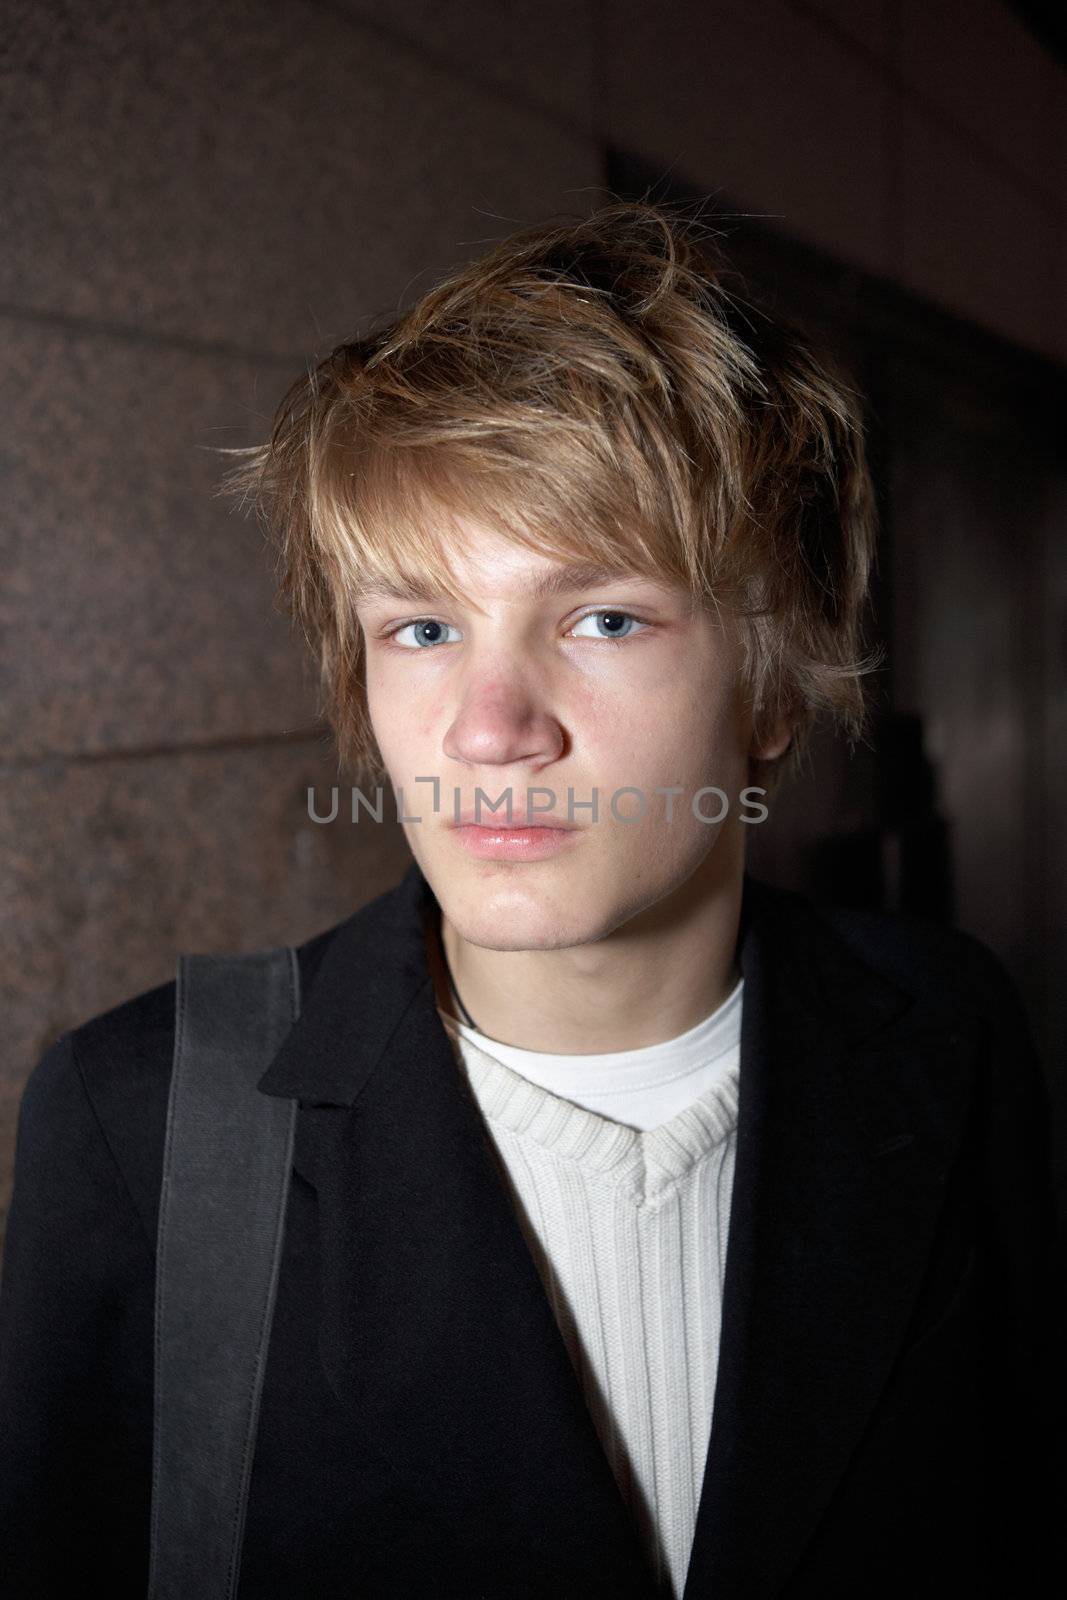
column 202, row 197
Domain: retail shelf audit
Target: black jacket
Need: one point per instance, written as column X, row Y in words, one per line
column 888, row 1385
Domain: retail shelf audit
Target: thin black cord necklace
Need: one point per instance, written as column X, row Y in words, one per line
column 464, row 1013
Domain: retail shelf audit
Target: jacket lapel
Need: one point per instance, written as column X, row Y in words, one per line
column 853, row 1097
column 436, row 1333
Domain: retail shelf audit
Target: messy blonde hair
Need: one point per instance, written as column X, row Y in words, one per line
column 597, row 390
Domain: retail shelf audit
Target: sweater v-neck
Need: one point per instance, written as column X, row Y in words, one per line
column 643, row 1162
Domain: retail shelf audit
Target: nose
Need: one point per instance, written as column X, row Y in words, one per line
column 504, row 717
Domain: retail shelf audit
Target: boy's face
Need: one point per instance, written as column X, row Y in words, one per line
column 519, row 691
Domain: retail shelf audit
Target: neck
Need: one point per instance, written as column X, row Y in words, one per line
column 655, row 977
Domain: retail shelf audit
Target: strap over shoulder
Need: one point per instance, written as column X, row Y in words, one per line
column 226, row 1167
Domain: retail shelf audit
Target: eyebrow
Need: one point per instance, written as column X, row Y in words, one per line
column 549, row 585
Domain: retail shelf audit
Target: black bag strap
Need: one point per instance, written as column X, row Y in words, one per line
column 226, row 1167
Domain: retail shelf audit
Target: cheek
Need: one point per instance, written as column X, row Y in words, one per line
column 667, row 731
column 403, row 719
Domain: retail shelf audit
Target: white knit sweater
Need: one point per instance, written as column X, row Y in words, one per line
column 624, row 1200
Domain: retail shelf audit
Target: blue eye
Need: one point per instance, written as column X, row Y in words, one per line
column 612, row 617
column 427, row 633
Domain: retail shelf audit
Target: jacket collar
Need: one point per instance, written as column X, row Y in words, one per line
column 436, row 1330
column 374, row 969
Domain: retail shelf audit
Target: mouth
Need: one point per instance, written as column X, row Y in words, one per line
column 526, row 841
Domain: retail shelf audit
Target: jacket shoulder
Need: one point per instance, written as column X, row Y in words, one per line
column 955, row 976
column 119, row 1061
column 934, row 961
column 103, row 1085
column 938, row 964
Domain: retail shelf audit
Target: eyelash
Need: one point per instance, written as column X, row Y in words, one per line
column 598, row 611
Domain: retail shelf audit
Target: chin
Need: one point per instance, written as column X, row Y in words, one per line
column 494, row 919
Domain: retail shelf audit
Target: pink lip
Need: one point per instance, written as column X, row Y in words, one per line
column 511, row 822
column 513, row 844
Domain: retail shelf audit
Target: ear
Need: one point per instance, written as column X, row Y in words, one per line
column 774, row 741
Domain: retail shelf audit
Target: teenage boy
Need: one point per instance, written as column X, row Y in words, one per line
column 704, row 1247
